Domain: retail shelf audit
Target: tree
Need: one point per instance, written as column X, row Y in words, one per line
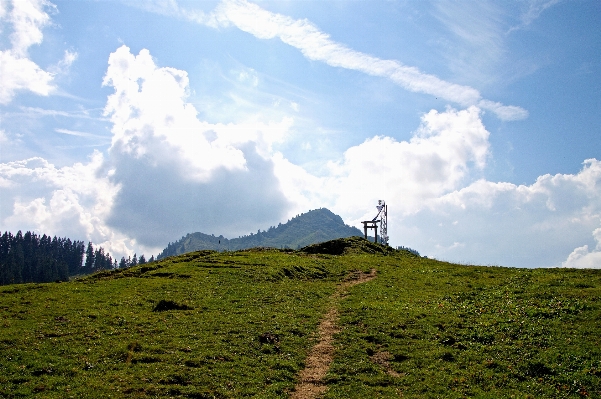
column 28, row 258
column 122, row 263
column 142, row 260
column 89, row 266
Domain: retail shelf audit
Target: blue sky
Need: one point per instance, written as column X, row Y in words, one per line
column 130, row 124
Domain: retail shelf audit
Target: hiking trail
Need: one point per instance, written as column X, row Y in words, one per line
column 311, row 384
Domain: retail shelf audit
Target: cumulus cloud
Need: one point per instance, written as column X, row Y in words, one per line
column 17, row 71
column 512, row 225
column 438, row 205
column 436, row 160
column 167, row 173
column 149, row 107
column 582, row 258
column 178, row 174
column 71, row 201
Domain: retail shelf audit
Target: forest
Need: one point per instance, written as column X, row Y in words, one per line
column 31, row 258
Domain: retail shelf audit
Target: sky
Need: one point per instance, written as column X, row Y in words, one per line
column 130, row 124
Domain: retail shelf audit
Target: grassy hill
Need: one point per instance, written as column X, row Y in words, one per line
column 240, row 324
column 315, row 226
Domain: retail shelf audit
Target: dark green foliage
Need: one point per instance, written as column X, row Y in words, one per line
column 347, row 246
column 305, row 229
column 26, row 258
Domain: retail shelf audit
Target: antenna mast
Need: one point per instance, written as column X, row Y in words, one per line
column 383, row 213
column 372, row 224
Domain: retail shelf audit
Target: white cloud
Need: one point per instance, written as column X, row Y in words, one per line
column 512, row 225
column 177, row 172
column 504, row 112
column 28, row 18
column 247, row 76
column 149, row 104
column 170, row 8
column 63, row 66
column 72, row 201
column 582, row 258
column 167, row 173
column 437, row 207
column 79, row 134
column 17, row 71
column 21, row 74
column 437, row 160
column 35, row 112
column 317, row 45
column 149, row 108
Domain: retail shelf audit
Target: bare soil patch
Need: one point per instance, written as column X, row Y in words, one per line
column 311, row 384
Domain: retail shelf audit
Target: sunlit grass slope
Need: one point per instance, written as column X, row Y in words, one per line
column 240, row 324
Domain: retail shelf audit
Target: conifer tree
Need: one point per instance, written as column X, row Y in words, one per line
column 89, row 266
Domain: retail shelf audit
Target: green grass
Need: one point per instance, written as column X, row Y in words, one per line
column 240, row 325
column 452, row 331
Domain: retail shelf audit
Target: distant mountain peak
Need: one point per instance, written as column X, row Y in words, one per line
column 312, row 227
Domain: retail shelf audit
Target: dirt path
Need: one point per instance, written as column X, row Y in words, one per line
column 322, row 354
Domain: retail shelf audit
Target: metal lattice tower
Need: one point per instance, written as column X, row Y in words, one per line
column 373, row 224
column 383, row 214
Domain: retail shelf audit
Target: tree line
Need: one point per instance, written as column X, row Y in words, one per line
column 31, row 258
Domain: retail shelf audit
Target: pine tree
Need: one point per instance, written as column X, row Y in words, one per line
column 89, row 266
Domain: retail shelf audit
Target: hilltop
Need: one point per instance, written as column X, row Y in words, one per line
column 313, row 227
column 237, row 324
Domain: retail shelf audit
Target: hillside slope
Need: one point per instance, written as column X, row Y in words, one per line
column 315, row 226
column 241, row 324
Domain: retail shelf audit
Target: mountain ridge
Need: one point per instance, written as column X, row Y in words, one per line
column 312, row 227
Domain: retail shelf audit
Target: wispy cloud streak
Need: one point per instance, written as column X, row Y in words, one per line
column 318, row 46
column 80, row 134
column 535, row 9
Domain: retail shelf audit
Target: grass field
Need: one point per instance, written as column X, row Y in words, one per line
column 240, row 324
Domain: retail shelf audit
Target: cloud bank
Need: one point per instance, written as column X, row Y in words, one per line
column 514, row 225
